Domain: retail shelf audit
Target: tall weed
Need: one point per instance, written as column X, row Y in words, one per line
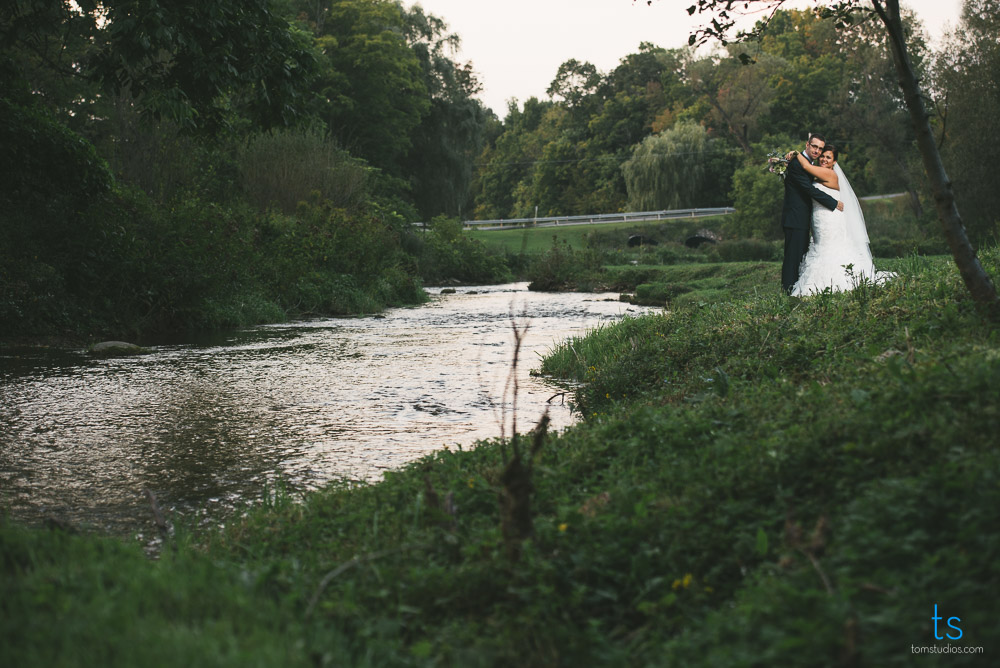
column 281, row 168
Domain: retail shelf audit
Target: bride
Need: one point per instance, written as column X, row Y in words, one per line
column 838, row 257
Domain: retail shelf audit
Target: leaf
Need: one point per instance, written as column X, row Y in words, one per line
column 761, row 542
column 422, row 649
column 859, row 397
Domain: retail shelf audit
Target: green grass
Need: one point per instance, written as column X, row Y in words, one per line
column 539, row 239
column 758, row 481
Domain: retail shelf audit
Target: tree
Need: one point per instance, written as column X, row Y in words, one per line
column 187, row 61
column 757, row 197
column 816, row 67
column 845, row 14
column 668, row 171
column 574, row 81
column 450, row 136
column 868, row 103
column 740, row 95
column 372, row 89
column 968, row 76
column 506, row 163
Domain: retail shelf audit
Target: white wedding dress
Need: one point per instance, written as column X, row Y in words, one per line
column 838, row 258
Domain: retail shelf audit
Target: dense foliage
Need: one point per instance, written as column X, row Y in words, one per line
column 966, row 72
column 190, row 165
column 623, row 140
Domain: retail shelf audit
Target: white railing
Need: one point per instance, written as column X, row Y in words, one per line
column 593, row 219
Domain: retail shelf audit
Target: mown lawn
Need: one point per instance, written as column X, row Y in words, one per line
column 758, row 481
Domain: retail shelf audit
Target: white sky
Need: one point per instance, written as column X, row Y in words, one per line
column 516, row 46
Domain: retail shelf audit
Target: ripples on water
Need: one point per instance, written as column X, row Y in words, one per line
column 209, row 426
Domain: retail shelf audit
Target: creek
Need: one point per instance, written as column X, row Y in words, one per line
column 209, row 426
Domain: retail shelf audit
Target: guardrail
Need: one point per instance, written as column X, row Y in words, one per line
column 593, row 219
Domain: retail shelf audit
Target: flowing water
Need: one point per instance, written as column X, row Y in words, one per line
column 208, row 427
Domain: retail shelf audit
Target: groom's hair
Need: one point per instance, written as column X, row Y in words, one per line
column 815, row 135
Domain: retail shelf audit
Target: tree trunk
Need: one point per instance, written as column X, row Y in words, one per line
column 918, row 208
column 740, row 137
column 976, row 279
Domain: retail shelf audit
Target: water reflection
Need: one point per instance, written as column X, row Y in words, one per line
column 205, row 426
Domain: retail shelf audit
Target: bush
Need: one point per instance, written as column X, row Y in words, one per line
column 895, row 231
column 562, row 268
column 49, row 245
column 757, row 196
column 448, row 255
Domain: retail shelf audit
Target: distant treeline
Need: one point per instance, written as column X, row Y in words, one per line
column 682, row 128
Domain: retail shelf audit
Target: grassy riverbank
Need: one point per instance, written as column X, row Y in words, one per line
column 539, row 239
column 758, row 481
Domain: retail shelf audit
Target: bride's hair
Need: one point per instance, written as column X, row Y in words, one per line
column 833, row 149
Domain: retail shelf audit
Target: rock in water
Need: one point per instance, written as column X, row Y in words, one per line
column 112, row 348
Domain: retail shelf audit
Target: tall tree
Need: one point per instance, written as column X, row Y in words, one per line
column 887, row 12
column 450, row 136
column 574, row 81
column 740, row 95
column 669, row 170
column 506, row 163
column 183, row 60
column 372, row 89
column 968, row 76
column 867, row 104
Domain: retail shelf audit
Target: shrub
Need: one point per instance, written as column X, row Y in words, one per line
column 562, row 268
column 757, row 196
column 447, row 254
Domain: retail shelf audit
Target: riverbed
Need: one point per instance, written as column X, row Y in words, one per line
column 209, row 426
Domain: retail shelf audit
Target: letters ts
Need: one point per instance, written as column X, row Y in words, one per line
column 950, row 625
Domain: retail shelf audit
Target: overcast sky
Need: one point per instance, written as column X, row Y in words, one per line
column 516, row 46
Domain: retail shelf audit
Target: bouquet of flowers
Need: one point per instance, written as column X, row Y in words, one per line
column 776, row 163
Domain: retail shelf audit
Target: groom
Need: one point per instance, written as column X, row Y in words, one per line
column 796, row 214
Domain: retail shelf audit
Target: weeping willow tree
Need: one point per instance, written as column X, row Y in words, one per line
column 668, row 170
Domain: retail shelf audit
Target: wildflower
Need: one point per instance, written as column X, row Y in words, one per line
column 687, row 580
column 563, row 526
column 676, row 585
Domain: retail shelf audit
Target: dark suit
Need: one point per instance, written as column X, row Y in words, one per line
column 796, row 218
